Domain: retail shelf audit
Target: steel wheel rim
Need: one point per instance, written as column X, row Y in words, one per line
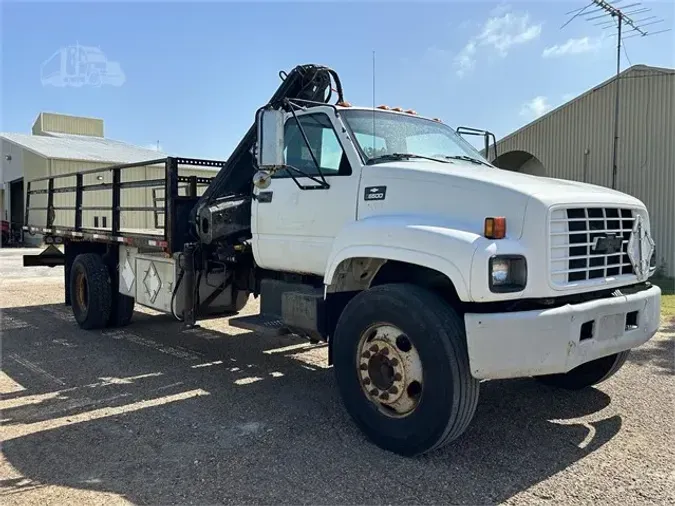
column 81, row 290
column 390, row 370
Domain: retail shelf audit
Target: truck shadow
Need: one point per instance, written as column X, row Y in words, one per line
column 157, row 415
column 658, row 354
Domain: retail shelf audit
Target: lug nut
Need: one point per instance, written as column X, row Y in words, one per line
column 398, row 377
column 374, row 392
column 374, row 348
column 363, row 367
column 366, row 381
column 394, row 361
column 366, row 354
column 384, row 396
column 385, row 351
column 393, row 390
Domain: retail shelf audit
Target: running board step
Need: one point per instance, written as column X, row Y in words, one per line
column 270, row 325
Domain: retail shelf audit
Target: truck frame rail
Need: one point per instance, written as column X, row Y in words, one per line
column 168, row 236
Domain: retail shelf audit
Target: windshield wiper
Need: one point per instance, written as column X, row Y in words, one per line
column 469, row 159
column 401, row 156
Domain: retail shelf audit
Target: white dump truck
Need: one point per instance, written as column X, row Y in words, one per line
column 426, row 268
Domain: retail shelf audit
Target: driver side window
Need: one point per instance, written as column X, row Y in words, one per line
column 323, row 142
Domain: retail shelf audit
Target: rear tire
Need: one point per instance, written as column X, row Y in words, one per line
column 122, row 311
column 90, row 290
column 588, row 374
column 445, row 397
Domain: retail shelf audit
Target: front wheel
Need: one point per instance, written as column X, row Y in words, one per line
column 588, row 374
column 402, row 368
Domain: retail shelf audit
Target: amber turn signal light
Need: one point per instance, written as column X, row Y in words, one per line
column 495, row 228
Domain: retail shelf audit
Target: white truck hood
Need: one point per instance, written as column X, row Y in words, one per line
column 461, row 173
column 468, row 192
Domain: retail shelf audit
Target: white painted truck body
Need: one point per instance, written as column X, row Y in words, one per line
column 424, row 267
column 433, row 216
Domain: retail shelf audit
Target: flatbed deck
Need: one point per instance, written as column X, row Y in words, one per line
column 132, row 236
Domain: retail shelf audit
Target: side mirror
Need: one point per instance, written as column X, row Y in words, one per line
column 270, row 127
column 262, row 179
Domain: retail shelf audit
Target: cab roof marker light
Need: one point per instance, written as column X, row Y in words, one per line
column 398, row 109
column 383, row 107
column 344, row 104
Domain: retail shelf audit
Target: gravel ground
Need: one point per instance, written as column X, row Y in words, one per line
column 154, row 415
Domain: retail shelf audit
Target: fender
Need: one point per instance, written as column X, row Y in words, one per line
column 411, row 239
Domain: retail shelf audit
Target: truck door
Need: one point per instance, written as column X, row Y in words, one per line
column 293, row 229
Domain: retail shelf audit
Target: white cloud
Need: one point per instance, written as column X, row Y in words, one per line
column 502, row 31
column 573, row 46
column 465, row 60
column 536, row 107
column 500, row 9
column 508, row 30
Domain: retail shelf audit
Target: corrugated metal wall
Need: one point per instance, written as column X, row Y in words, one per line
column 34, row 166
column 575, row 142
column 50, row 122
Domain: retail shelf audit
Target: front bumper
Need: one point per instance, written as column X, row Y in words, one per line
column 531, row 343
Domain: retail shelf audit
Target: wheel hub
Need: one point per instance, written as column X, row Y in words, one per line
column 381, row 371
column 390, row 370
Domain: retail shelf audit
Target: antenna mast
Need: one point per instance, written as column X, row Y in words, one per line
column 620, row 18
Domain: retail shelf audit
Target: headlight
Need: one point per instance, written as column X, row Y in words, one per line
column 507, row 273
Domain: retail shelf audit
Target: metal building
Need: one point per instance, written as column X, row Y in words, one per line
column 61, row 144
column 575, row 141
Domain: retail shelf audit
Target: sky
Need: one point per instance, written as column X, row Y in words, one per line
column 189, row 76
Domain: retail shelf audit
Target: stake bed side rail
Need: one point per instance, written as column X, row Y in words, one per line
column 166, row 237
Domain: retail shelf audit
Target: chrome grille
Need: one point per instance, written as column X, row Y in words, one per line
column 589, row 243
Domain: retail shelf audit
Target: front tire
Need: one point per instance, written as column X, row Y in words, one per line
column 91, row 292
column 588, row 374
column 419, row 394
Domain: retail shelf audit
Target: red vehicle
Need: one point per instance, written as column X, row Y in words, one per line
column 10, row 236
column 4, row 226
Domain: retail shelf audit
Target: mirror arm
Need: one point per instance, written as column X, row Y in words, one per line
column 309, row 147
column 494, row 145
column 322, row 184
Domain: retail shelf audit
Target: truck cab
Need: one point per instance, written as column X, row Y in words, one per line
column 545, row 278
column 424, row 267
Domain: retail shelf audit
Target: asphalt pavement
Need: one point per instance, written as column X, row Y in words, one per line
column 152, row 414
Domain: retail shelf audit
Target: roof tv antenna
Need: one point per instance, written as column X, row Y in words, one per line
column 621, row 18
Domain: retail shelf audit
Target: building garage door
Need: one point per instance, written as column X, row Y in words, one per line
column 16, row 203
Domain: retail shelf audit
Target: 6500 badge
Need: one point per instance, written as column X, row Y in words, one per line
column 375, row 193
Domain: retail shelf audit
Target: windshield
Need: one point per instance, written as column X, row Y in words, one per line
column 383, row 135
